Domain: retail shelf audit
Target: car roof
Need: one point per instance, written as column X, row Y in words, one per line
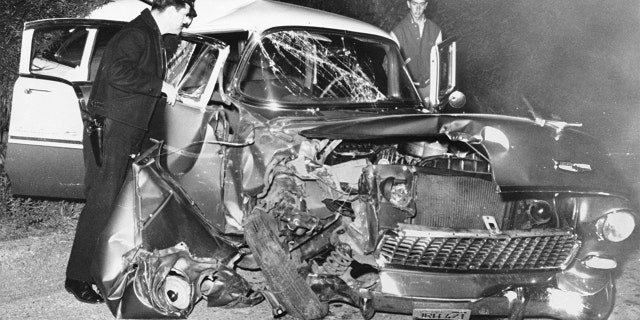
column 216, row 16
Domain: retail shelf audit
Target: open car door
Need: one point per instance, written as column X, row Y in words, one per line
column 58, row 61
column 192, row 131
column 443, row 74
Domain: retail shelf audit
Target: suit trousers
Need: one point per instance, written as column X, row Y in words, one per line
column 102, row 185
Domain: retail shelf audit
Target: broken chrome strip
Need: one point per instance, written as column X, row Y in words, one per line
column 46, row 142
column 441, row 286
column 424, row 232
column 539, row 303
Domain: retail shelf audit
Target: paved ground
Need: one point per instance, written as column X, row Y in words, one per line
column 32, row 273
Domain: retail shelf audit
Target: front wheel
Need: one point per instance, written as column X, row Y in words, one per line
column 283, row 279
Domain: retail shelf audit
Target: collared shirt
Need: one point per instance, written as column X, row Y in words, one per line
column 420, row 24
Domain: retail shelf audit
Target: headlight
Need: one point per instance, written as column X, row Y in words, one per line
column 616, row 226
column 177, row 292
column 544, row 213
column 540, row 212
column 396, row 191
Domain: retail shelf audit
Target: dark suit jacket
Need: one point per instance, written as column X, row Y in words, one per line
column 128, row 84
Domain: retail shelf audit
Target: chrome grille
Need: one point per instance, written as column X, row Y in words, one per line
column 473, row 253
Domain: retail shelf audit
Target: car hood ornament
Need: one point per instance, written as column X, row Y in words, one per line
column 571, row 166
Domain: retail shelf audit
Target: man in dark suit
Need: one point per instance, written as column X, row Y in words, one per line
column 129, row 86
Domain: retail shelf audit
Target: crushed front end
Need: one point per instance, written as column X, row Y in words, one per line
column 427, row 230
column 456, row 244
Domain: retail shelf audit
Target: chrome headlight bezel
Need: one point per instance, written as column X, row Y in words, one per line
column 398, row 192
column 616, row 225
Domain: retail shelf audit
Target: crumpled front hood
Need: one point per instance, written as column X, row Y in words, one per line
column 524, row 156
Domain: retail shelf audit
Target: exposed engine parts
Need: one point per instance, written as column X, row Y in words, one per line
column 437, row 153
column 338, row 261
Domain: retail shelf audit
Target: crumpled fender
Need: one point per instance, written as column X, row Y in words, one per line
column 524, row 155
column 142, row 277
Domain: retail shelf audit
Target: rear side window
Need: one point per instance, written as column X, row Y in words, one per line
column 58, row 52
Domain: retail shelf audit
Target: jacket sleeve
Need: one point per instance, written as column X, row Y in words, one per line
column 133, row 67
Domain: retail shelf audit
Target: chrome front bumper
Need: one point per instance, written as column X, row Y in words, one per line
column 515, row 302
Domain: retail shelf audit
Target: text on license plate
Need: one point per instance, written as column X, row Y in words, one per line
column 442, row 314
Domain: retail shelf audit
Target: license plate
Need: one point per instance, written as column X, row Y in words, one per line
column 441, row 314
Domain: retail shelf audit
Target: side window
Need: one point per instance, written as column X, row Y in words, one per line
column 192, row 87
column 237, row 42
column 179, row 61
column 58, row 52
column 193, row 68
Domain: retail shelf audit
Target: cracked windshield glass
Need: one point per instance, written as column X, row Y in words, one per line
column 303, row 67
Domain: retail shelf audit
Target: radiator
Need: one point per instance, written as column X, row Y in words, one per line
column 456, row 202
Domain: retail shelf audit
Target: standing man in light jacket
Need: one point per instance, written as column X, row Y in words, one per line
column 129, row 86
column 416, row 35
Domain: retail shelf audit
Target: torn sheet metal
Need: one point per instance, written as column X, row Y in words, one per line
column 169, row 283
column 158, row 257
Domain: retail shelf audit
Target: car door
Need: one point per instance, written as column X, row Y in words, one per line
column 443, row 72
column 58, row 61
column 193, row 152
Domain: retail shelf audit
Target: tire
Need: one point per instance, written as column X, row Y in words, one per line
column 289, row 287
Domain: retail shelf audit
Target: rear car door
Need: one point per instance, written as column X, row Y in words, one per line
column 58, row 61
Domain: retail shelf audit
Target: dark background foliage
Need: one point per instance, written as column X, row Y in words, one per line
column 575, row 60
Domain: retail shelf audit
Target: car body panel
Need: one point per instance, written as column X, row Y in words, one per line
column 251, row 17
column 220, row 16
column 46, row 109
column 38, row 178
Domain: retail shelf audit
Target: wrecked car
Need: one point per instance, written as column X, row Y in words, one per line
column 299, row 146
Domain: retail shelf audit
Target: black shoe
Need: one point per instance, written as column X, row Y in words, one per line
column 83, row 291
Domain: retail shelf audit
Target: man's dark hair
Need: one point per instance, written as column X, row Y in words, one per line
column 160, row 5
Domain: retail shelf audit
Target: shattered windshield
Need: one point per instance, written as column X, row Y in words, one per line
column 314, row 67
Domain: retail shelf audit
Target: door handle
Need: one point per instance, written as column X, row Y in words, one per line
column 29, row 90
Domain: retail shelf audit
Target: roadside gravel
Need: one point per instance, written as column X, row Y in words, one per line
column 32, row 273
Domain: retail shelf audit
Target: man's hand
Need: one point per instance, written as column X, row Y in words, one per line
column 171, row 92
